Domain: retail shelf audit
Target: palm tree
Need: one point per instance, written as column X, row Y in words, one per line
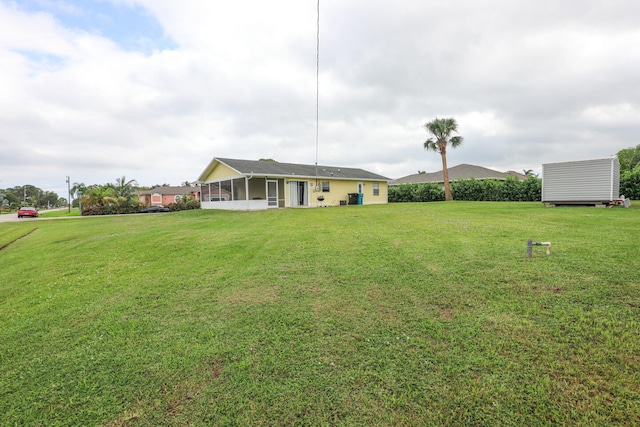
column 77, row 189
column 124, row 191
column 124, row 188
column 442, row 129
column 99, row 196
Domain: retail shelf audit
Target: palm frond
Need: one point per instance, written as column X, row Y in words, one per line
column 430, row 144
column 455, row 141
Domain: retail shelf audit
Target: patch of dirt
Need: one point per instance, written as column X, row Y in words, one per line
column 552, row 289
column 447, row 314
column 252, row 295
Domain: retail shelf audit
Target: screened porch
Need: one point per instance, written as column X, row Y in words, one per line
column 243, row 193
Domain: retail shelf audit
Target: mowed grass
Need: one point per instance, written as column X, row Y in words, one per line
column 403, row 314
column 60, row 213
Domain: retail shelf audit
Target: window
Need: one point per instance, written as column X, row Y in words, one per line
column 376, row 189
column 326, row 186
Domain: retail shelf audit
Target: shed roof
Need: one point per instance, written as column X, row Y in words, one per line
column 609, row 159
column 269, row 168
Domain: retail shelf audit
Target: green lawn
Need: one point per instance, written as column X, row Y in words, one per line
column 60, row 212
column 403, row 314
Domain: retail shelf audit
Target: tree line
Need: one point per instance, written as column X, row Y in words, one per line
column 13, row 198
column 120, row 196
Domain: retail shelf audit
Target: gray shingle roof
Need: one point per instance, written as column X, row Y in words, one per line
column 462, row 171
column 263, row 168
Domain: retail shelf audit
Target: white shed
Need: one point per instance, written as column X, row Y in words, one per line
column 594, row 182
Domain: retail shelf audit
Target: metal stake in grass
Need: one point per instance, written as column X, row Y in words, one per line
column 531, row 244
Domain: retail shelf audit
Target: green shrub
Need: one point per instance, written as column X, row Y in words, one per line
column 531, row 189
column 108, row 210
column 184, row 205
column 428, row 192
column 489, row 190
column 467, row 189
column 630, row 184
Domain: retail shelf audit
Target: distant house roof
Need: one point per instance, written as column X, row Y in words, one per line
column 273, row 169
column 170, row 190
column 462, row 171
column 518, row 175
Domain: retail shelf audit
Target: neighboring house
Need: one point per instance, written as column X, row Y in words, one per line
column 462, row 171
column 167, row 195
column 253, row 185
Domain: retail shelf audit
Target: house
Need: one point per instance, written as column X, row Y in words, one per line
column 235, row 184
column 166, row 195
column 584, row 182
column 462, row 171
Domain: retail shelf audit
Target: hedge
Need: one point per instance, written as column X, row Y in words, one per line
column 428, row 192
column 630, row 184
column 509, row 190
column 183, row 205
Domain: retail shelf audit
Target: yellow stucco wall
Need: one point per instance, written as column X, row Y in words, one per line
column 339, row 190
column 221, row 172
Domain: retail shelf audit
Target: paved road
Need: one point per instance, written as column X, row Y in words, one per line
column 13, row 217
column 9, row 217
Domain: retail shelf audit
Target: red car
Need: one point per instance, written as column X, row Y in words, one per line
column 32, row 212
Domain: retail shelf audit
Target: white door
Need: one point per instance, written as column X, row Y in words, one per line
column 360, row 188
column 272, row 193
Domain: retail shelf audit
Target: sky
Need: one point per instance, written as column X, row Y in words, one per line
column 153, row 90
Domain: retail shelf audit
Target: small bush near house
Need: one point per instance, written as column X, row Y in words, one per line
column 183, row 205
column 110, row 209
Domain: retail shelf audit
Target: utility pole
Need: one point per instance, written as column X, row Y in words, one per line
column 69, row 194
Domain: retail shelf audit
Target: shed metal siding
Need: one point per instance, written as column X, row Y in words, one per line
column 595, row 180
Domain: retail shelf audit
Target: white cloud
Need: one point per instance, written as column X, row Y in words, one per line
column 613, row 115
column 528, row 83
column 485, row 123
